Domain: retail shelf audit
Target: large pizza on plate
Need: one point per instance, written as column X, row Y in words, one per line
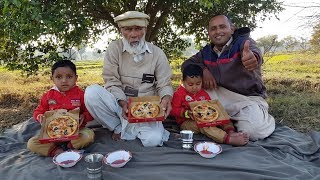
column 145, row 110
column 62, row 126
column 205, row 112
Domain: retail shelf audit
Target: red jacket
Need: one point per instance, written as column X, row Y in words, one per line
column 181, row 99
column 54, row 99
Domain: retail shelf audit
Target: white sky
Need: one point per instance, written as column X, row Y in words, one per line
column 291, row 21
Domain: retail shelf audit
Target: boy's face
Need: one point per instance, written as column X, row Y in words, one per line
column 192, row 84
column 64, row 78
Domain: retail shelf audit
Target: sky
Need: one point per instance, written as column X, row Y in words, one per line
column 291, row 21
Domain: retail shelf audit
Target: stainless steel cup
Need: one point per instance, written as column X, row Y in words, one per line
column 187, row 139
column 94, row 166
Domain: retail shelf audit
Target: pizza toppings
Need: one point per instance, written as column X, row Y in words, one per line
column 145, row 110
column 205, row 113
column 62, row 127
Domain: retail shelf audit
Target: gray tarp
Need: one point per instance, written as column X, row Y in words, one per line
column 286, row 154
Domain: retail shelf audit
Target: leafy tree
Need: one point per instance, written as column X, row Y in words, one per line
column 34, row 33
column 268, row 43
column 315, row 38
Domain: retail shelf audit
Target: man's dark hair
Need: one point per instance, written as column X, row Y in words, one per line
column 64, row 63
column 228, row 18
column 219, row 14
column 192, row 70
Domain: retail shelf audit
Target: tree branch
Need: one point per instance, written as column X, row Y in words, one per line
column 155, row 23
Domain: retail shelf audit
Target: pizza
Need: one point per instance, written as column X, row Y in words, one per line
column 62, row 126
column 205, row 113
column 145, row 110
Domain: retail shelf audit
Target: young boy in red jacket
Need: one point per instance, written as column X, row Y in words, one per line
column 191, row 90
column 64, row 95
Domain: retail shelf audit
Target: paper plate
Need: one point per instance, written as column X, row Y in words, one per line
column 67, row 158
column 117, row 158
column 207, row 149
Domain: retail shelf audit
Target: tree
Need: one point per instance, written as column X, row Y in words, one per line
column 304, row 44
column 315, row 38
column 268, row 43
column 289, row 43
column 32, row 31
column 313, row 16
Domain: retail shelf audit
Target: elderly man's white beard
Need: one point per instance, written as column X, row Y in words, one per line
column 134, row 48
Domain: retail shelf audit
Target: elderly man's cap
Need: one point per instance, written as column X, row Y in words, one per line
column 132, row 18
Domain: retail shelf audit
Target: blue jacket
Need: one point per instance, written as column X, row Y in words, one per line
column 228, row 69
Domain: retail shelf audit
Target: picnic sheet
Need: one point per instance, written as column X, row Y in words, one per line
column 286, row 154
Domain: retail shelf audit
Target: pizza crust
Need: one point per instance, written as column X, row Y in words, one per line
column 205, row 113
column 145, row 110
column 62, row 126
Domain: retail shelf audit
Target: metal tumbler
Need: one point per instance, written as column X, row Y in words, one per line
column 94, row 166
column 187, row 139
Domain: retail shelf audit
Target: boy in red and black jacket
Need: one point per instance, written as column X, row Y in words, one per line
column 191, row 90
column 65, row 94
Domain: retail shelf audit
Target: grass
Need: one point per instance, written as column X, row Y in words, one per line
column 294, row 67
column 293, row 87
column 292, row 82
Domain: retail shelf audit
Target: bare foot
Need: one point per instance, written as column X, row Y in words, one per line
column 116, row 137
column 238, row 138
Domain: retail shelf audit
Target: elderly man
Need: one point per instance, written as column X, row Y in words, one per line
column 132, row 67
column 233, row 62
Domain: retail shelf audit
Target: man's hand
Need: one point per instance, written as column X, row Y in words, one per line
column 124, row 106
column 208, row 80
column 249, row 60
column 166, row 105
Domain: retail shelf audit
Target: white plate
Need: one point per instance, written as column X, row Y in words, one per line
column 117, row 158
column 67, row 158
column 207, row 149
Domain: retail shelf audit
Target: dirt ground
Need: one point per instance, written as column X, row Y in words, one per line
column 12, row 116
column 14, row 110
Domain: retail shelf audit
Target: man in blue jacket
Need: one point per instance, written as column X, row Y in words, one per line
column 232, row 74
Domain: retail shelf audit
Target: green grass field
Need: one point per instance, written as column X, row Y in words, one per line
column 292, row 80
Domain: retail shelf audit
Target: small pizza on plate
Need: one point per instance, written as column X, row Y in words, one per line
column 205, row 112
column 145, row 110
column 62, row 126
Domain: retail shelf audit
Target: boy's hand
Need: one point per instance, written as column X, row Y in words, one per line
column 189, row 114
column 40, row 118
column 81, row 119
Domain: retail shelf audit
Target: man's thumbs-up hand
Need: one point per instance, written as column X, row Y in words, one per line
column 248, row 59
